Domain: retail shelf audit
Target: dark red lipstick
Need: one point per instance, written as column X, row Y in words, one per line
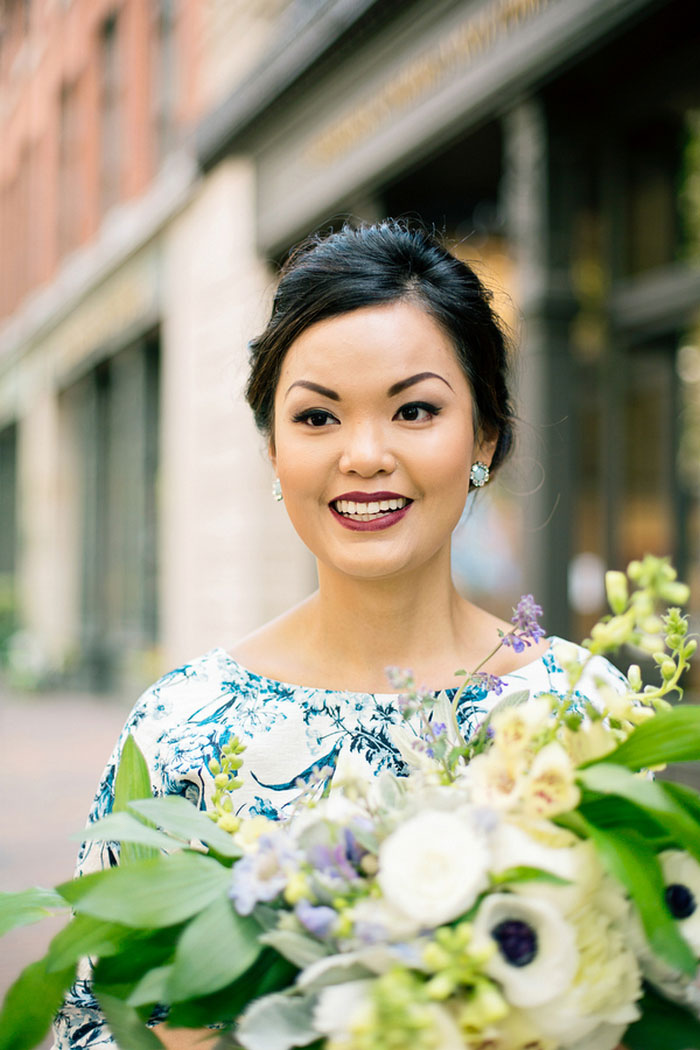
column 384, row 519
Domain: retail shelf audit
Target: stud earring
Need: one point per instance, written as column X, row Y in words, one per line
column 277, row 490
column 479, row 474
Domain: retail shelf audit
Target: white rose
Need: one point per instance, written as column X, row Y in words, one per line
column 537, row 957
column 432, row 867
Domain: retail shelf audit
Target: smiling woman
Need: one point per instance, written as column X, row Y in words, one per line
column 380, row 386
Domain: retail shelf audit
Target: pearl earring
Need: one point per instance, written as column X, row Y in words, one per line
column 479, row 474
column 277, row 490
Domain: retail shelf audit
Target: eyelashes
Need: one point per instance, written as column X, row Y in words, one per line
column 413, row 412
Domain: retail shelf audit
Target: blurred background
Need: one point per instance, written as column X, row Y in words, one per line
column 160, row 157
column 158, row 160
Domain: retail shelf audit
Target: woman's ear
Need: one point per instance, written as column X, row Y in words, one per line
column 272, row 454
column 485, row 448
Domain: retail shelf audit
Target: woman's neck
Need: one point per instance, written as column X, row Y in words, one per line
column 357, row 628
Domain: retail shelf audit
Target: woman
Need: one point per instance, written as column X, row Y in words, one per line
column 380, row 386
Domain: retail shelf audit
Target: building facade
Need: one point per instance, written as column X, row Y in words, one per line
column 557, row 144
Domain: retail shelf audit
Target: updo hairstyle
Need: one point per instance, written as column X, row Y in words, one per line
column 371, row 265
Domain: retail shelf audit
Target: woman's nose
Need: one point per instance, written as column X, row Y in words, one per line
column 366, row 452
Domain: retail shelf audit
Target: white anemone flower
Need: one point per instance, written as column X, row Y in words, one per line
column 537, row 957
column 682, row 881
column 432, row 867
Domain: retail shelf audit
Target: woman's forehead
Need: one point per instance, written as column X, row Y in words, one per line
column 376, row 342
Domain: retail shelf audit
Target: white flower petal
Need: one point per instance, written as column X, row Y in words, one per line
column 339, row 1005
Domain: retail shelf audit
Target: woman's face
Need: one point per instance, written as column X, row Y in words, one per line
column 374, row 439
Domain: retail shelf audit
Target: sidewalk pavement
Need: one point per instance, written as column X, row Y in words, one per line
column 53, row 748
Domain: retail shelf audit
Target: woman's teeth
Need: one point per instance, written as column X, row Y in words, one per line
column 368, row 511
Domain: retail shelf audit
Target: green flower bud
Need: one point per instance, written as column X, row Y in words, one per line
column 214, row 767
column 221, row 780
column 689, row 648
column 668, row 669
column 678, row 593
column 634, row 570
column 634, row 677
column 616, row 590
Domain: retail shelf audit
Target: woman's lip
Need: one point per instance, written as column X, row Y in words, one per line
column 385, row 522
column 368, row 497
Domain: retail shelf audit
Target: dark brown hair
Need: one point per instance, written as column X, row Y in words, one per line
column 370, row 265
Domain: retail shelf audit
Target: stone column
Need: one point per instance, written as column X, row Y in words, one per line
column 230, row 560
column 538, row 182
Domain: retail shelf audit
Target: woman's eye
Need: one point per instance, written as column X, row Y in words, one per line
column 417, row 412
column 315, row 417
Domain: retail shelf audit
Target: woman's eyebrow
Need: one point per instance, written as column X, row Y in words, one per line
column 403, row 383
column 316, row 387
column 325, row 391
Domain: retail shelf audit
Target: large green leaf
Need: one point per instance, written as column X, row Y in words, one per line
column 179, row 817
column 132, row 782
column 27, row 906
column 85, row 936
column 670, row 736
column 126, row 1026
column 145, row 950
column 152, row 988
column 30, row 1005
column 124, row 827
column 215, row 949
column 648, row 795
column 150, row 893
column 269, row 973
column 663, row 1024
column 626, row 856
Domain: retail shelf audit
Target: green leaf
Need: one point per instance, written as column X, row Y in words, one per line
column 179, row 817
column 152, row 988
column 663, row 1024
column 295, row 947
column 123, row 827
column 650, row 796
column 523, row 873
column 30, row 1005
column 27, row 906
column 150, row 893
column 670, row 736
column 626, row 856
column 85, row 936
column 269, row 973
column 278, row 1022
column 215, row 949
column 143, row 951
column 132, row 782
column 126, row 1026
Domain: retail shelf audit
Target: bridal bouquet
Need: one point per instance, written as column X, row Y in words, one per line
column 530, row 888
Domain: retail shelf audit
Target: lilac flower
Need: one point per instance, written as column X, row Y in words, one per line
column 319, row 921
column 490, row 682
column 262, row 875
column 526, row 628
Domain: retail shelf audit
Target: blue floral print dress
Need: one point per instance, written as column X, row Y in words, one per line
column 290, row 732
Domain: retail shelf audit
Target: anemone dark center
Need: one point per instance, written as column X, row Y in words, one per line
column 681, row 902
column 516, row 940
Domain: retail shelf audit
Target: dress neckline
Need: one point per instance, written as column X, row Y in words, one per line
column 277, row 683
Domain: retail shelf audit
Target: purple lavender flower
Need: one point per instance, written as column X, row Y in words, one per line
column 526, row 628
column 318, row 920
column 490, row 682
